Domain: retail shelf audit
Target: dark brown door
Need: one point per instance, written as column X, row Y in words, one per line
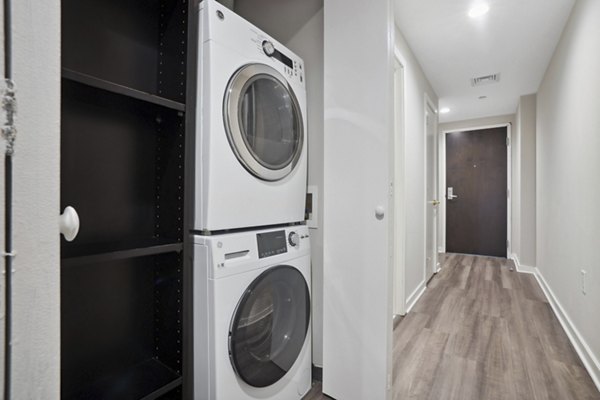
column 477, row 173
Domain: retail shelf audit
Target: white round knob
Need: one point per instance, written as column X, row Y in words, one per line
column 69, row 223
column 293, row 239
column 379, row 212
column 268, row 48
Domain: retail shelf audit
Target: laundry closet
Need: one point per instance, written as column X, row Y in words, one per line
column 133, row 174
column 123, row 141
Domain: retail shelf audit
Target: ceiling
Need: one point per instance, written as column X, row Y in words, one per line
column 516, row 38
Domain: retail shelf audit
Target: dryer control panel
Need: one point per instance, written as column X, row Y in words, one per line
column 222, row 25
column 293, row 68
column 283, row 59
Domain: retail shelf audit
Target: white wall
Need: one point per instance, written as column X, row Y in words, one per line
column 36, row 281
column 568, row 173
column 524, row 210
column 308, row 44
column 358, row 87
column 416, row 85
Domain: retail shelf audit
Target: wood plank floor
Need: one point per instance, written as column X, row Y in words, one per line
column 484, row 332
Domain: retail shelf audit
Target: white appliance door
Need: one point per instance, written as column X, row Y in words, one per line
column 269, row 326
column 263, row 122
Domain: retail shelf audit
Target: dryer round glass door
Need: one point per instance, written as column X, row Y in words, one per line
column 269, row 326
column 263, row 121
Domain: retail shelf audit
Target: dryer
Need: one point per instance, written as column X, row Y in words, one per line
column 252, row 315
column 251, row 149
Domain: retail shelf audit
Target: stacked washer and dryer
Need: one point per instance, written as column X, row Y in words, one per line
column 251, row 255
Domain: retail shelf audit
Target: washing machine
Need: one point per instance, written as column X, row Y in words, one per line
column 252, row 315
column 251, row 146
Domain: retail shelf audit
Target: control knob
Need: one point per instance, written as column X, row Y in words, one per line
column 293, row 239
column 268, row 48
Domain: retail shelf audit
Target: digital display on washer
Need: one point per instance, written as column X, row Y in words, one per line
column 283, row 58
column 271, row 243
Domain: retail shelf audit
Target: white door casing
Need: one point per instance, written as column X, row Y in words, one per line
column 399, row 201
column 431, row 195
column 442, row 182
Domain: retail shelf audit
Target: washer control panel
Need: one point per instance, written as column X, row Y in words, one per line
column 271, row 243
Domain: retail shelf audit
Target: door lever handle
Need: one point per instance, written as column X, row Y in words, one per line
column 451, row 195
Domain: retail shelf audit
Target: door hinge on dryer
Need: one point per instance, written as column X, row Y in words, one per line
column 9, row 106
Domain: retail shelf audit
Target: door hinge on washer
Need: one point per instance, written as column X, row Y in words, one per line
column 9, row 106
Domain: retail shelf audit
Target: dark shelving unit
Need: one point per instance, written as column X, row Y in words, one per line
column 102, row 252
column 147, row 374
column 124, row 279
column 120, row 89
column 124, row 333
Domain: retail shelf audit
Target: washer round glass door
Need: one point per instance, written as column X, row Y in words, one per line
column 269, row 326
column 263, row 121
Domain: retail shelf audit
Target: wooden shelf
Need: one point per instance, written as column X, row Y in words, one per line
column 120, row 89
column 105, row 252
column 164, row 390
column 147, row 381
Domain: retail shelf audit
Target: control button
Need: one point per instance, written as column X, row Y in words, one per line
column 268, row 48
column 293, row 239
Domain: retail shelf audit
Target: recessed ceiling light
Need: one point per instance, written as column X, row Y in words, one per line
column 444, row 110
column 479, row 10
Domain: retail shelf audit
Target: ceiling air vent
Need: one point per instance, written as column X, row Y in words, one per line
column 485, row 80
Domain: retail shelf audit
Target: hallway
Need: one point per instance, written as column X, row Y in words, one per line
column 482, row 331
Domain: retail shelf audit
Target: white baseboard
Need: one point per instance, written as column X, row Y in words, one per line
column 415, row 296
column 526, row 269
column 441, row 250
column 589, row 359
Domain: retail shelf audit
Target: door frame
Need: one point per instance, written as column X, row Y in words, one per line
column 428, row 103
column 398, row 189
column 442, row 182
